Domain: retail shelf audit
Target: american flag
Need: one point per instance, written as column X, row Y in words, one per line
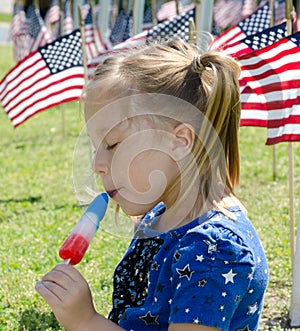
column 19, row 31
column 53, row 13
column 168, row 10
column 177, row 26
column 52, row 19
column 94, row 44
column 257, row 22
column 227, row 13
column 68, row 20
column 280, row 11
column 37, row 30
column 122, row 28
column 147, row 20
column 230, row 12
column 249, row 6
column 256, row 41
column 17, row 23
column 271, row 88
column 45, row 78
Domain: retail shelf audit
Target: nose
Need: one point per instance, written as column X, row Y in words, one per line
column 101, row 162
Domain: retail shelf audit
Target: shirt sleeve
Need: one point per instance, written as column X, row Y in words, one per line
column 210, row 275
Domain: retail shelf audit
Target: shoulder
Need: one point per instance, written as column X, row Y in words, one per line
column 220, row 238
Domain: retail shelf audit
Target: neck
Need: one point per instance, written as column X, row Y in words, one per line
column 185, row 210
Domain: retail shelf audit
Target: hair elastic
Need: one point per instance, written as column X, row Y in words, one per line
column 197, row 65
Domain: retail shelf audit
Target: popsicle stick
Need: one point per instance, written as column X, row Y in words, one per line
column 67, row 261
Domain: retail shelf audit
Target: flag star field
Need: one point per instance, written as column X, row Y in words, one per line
column 62, row 55
column 256, row 22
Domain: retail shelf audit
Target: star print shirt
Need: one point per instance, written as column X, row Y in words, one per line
column 212, row 271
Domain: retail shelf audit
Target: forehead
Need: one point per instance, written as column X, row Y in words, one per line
column 104, row 114
column 105, row 111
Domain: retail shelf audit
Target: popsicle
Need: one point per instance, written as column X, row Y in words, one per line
column 78, row 241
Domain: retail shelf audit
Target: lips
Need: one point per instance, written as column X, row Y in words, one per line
column 112, row 193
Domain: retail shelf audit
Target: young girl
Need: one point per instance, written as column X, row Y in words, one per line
column 164, row 122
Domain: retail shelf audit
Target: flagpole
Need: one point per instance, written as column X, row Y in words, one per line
column 103, row 20
column 76, row 10
column 197, row 16
column 63, row 117
column 138, row 15
column 205, row 13
column 177, row 7
column 274, row 146
column 288, row 11
column 84, row 59
column 271, row 13
column 294, row 313
column 153, row 8
column 295, row 287
column 192, row 32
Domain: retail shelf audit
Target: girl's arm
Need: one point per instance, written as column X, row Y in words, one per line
column 69, row 296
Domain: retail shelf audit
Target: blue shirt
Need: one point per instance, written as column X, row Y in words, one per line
column 211, row 271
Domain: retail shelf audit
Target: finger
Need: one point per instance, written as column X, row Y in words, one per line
column 48, row 293
column 58, row 277
column 70, row 271
column 63, row 274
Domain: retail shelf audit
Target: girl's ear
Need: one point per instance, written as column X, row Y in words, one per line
column 184, row 138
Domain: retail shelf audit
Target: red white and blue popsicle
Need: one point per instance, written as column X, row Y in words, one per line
column 78, row 241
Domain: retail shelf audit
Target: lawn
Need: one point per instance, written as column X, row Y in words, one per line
column 5, row 18
column 38, row 208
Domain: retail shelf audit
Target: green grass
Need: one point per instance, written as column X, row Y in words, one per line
column 38, row 208
column 5, row 18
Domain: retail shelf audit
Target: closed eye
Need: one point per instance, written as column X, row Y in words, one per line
column 110, row 147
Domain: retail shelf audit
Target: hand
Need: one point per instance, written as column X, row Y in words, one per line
column 69, row 296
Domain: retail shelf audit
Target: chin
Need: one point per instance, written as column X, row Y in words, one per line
column 135, row 210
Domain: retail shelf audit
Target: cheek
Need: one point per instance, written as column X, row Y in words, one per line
column 151, row 171
column 139, row 172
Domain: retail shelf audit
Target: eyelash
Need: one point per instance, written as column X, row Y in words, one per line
column 110, row 147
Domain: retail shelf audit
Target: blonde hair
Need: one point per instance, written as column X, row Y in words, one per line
column 209, row 82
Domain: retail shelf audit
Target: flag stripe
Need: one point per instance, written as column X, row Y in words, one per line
column 16, row 75
column 46, row 100
column 47, row 83
column 233, row 34
column 289, row 132
column 64, row 96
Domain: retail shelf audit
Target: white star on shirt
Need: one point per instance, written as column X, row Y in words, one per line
column 229, row 276
column 151, row 214
column 252, row 309
column 211, row 247
column 199, row 258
